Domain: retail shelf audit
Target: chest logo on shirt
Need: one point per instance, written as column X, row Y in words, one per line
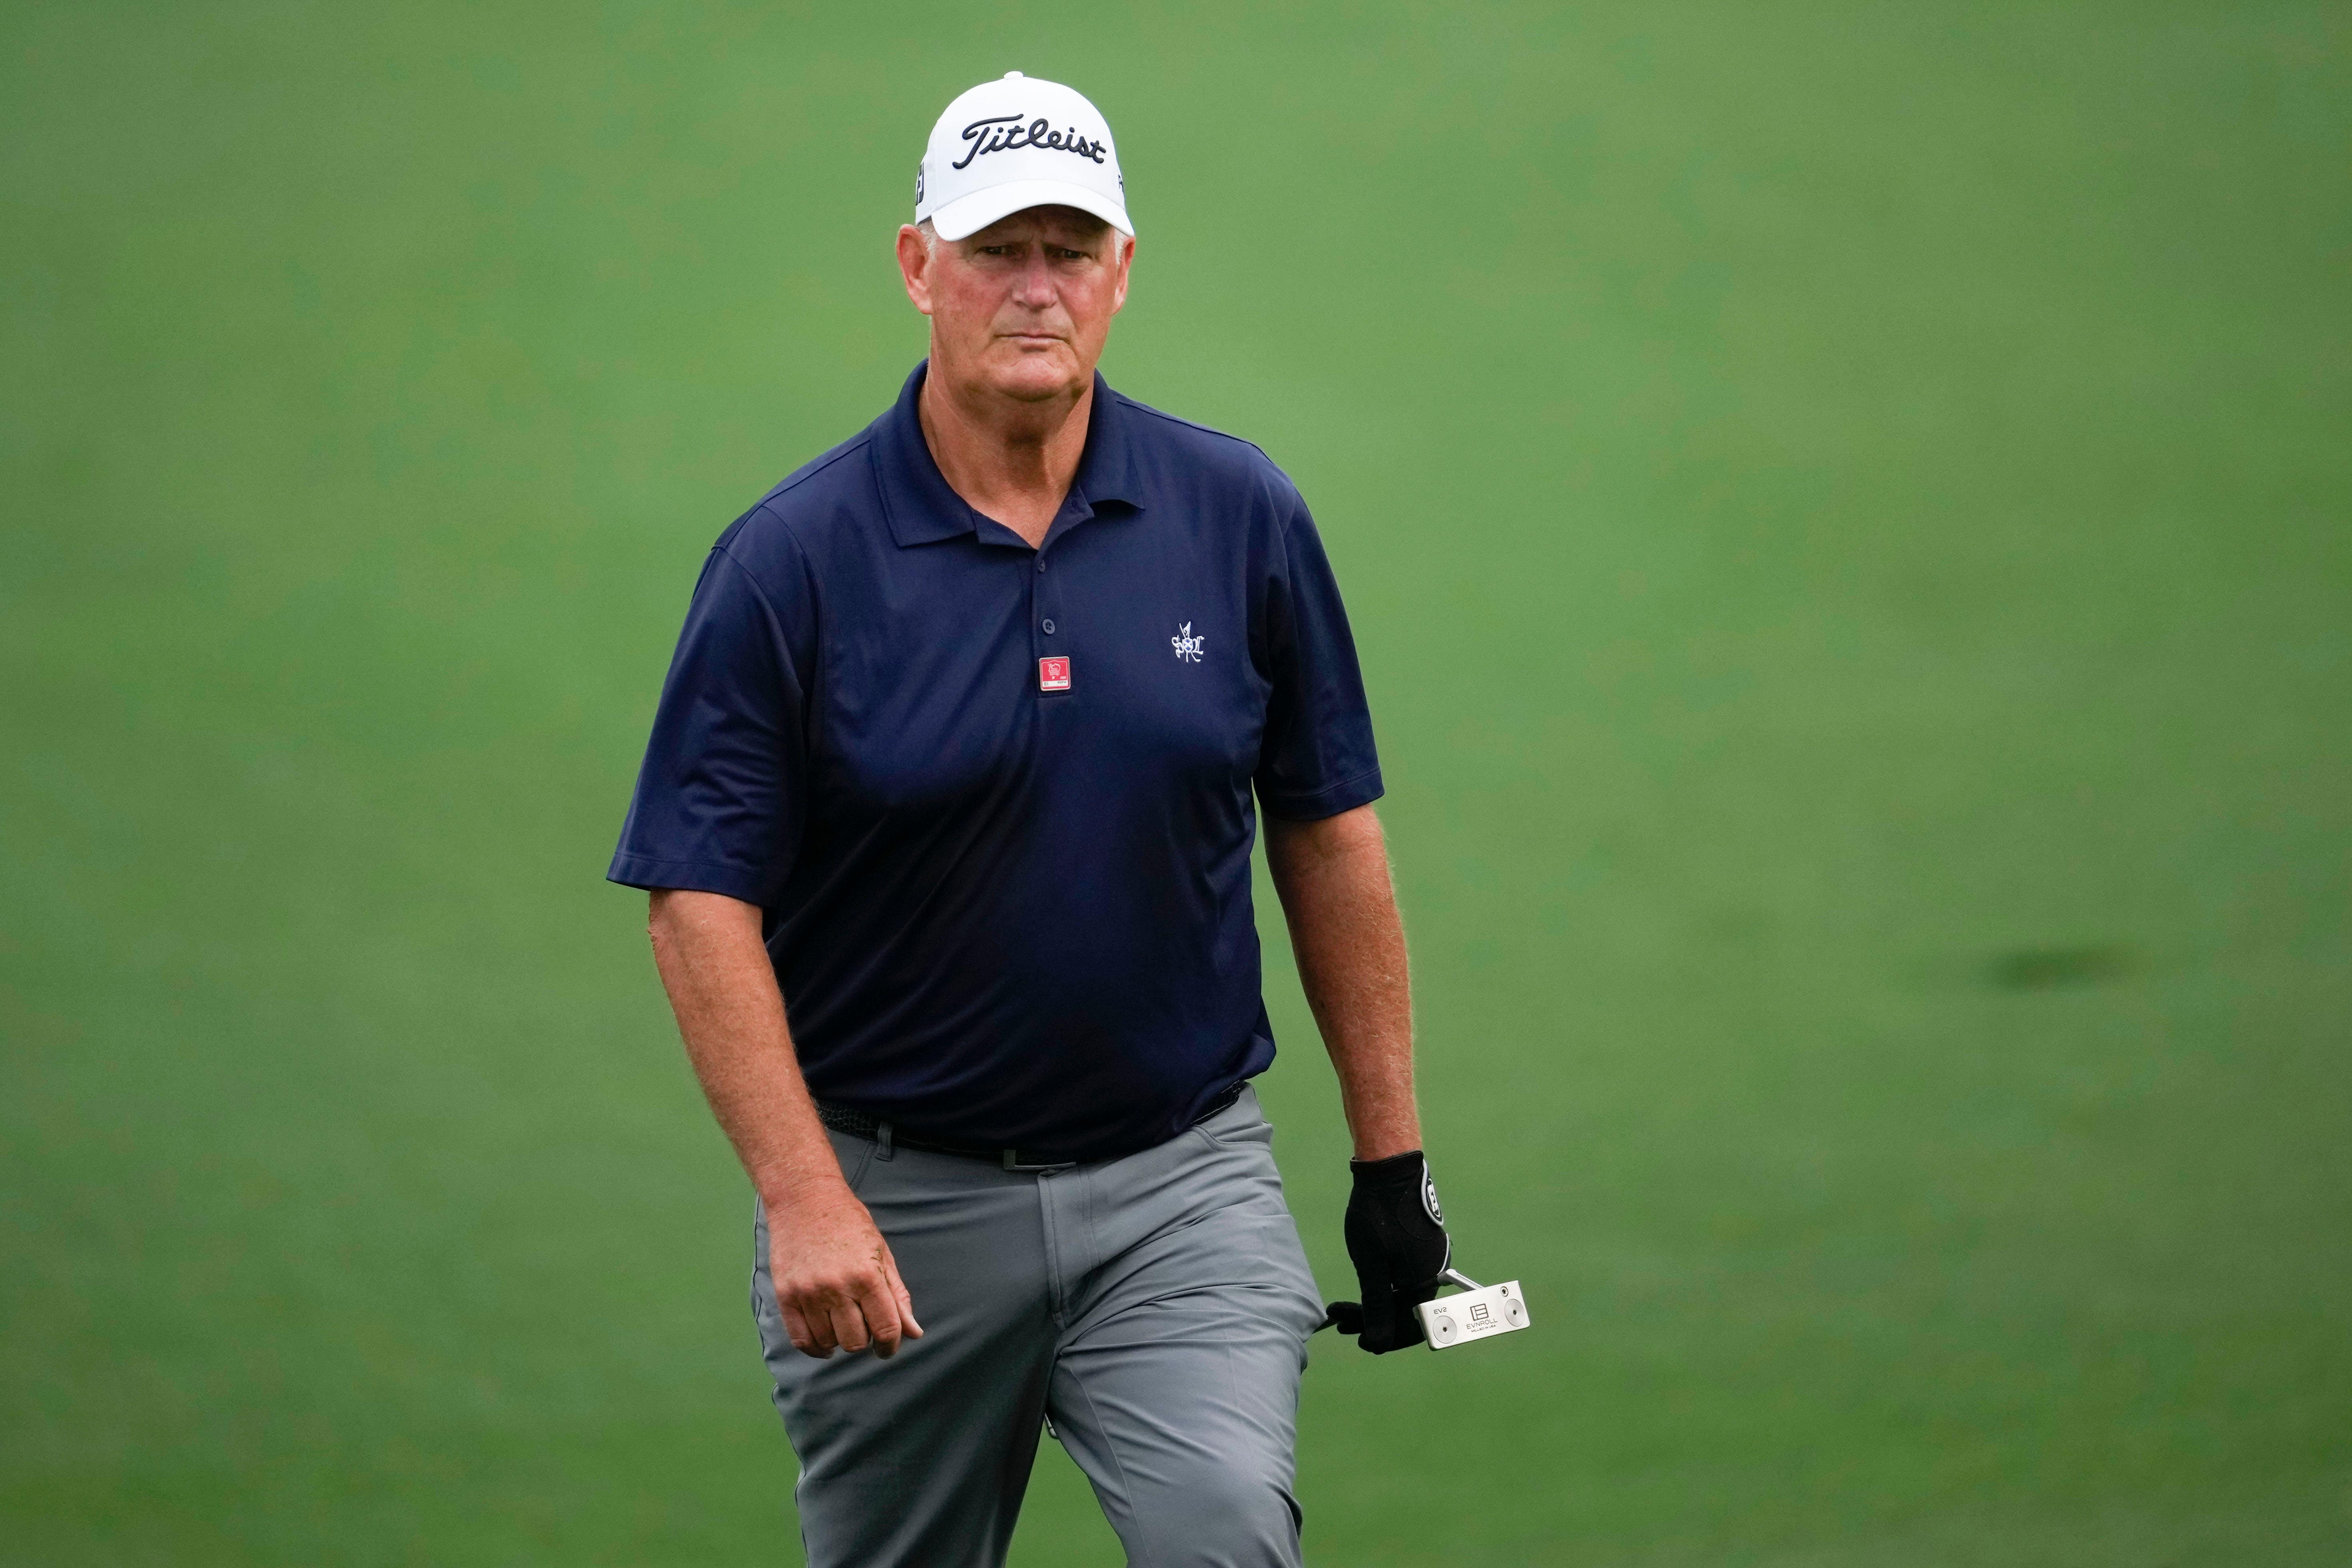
column 1187, row 646
column 1053, row 675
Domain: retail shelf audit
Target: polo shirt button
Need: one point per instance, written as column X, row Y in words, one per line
column 1041, row 566
column 1049, row 628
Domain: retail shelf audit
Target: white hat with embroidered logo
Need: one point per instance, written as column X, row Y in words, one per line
column 1016, row 144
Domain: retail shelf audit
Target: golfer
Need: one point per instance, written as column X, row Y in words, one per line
column 946, row 818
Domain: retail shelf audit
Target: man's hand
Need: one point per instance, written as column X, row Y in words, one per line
column 836, row 1284
column 1396, row 1238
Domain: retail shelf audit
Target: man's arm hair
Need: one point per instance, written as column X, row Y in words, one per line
column 1332, row 875
column 836, row 1283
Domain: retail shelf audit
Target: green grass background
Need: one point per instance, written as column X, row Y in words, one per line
column 1845, row 512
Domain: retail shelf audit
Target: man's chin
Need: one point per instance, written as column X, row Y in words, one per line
column 1035, row 375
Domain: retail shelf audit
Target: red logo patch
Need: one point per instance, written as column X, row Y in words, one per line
column 1053, row 675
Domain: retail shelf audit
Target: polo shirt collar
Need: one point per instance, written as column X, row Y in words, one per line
column 921, row 506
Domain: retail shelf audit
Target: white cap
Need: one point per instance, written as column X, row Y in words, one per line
column 1017, row 143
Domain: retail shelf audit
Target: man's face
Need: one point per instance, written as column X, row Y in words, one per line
column 1024, row 307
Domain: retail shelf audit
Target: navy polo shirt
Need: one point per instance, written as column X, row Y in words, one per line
column 996, row 801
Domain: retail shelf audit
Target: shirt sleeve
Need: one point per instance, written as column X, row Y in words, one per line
column 1316, row 758
column 722, row 795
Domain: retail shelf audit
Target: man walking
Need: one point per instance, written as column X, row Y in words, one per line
column 947, row 819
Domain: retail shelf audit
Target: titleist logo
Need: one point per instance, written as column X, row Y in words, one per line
column 1005, row 134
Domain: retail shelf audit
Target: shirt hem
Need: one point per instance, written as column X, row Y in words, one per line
column 688, row 876
column 1330, row 801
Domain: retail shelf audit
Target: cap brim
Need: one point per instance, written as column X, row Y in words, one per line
column 970, row 214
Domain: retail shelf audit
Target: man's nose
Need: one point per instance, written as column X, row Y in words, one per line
column 1036, row 287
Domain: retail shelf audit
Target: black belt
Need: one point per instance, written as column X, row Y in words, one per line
column 858, row 1124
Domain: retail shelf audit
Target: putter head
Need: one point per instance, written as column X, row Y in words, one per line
column 1478, row 1314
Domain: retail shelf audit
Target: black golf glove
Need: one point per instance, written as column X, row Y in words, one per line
column 1396, row 1235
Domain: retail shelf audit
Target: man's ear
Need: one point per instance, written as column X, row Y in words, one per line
column 1123, row 249
column 915, row 267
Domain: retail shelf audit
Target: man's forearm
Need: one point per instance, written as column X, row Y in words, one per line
column 731, row 1016
column 836, row 1284
column 1337, row 895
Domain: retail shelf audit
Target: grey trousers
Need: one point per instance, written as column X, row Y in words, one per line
column 1157, row 1306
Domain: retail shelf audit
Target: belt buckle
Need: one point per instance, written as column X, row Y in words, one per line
column 1012, row 1163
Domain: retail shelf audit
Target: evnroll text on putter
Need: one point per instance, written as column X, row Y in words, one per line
column 1475, row 1312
